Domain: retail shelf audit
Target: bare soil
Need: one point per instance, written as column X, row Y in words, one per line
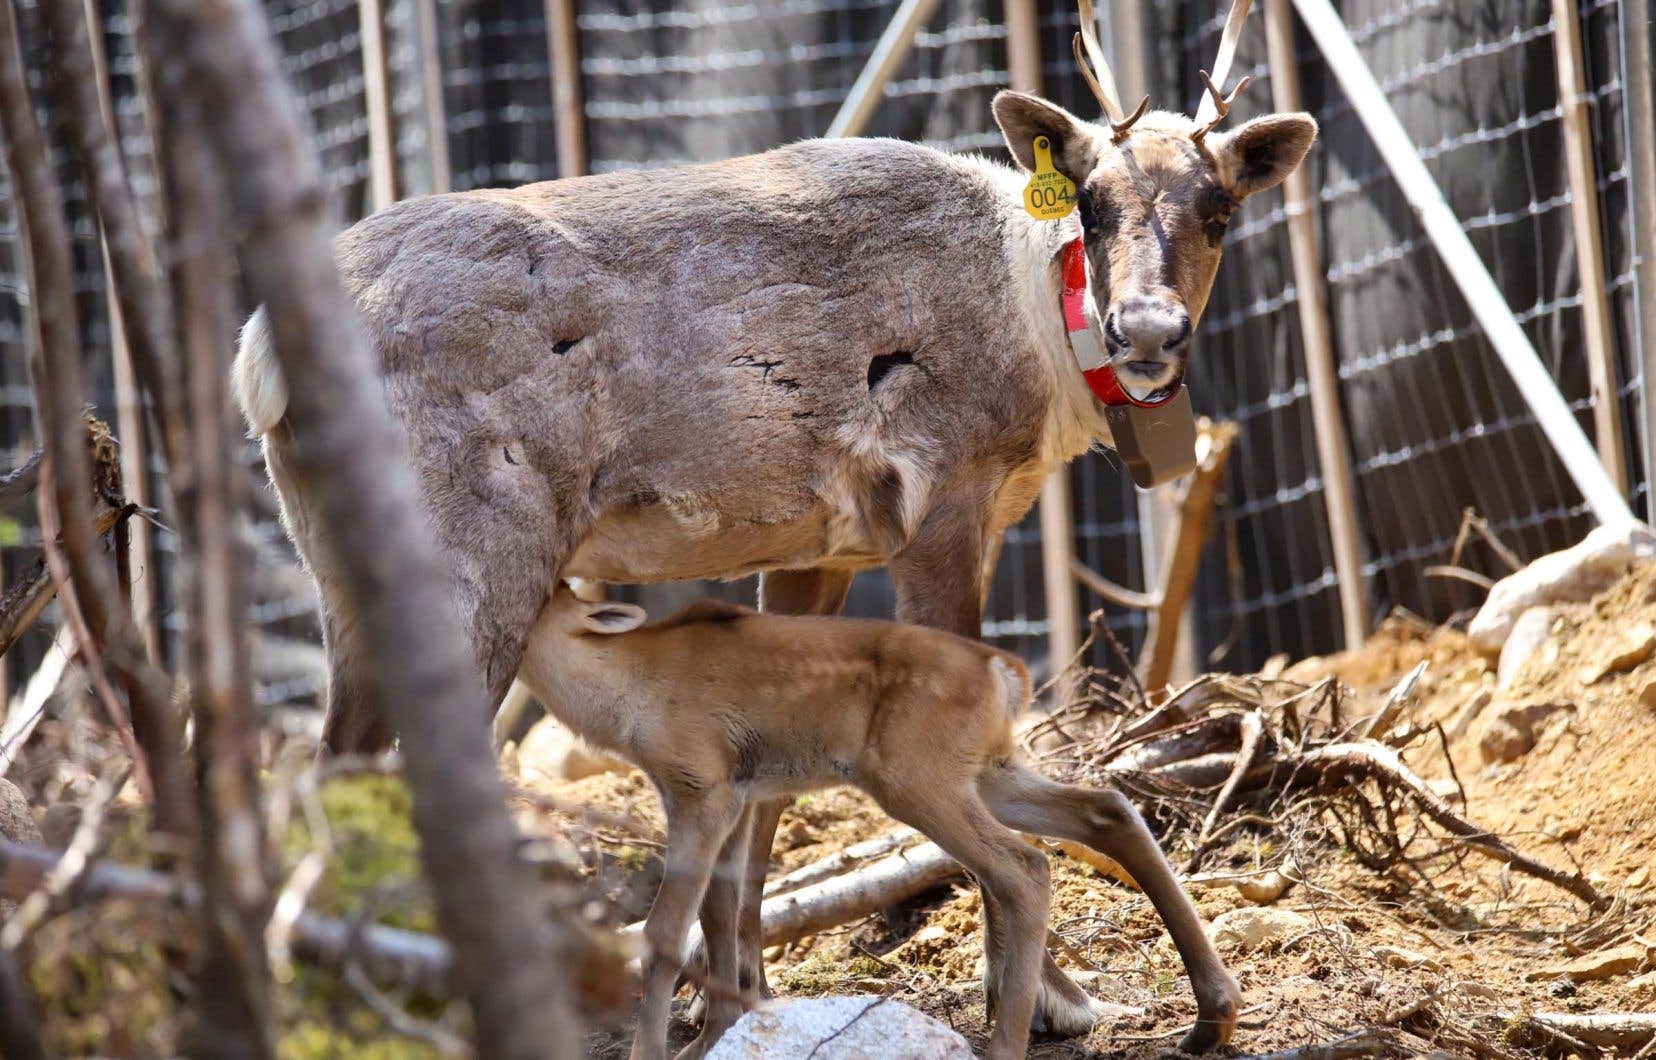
column 1439, row 953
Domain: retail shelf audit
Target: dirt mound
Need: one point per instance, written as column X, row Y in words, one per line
column 1438, row 948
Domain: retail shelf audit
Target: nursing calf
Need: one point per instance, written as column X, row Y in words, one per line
column 723, row 707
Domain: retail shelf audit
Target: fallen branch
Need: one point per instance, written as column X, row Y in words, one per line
column 1606, row 1030
column 1253, row 734
column 1372, row 1042
column 25, row 710
column 840, row 862
column 21, row 480
column 23, row 604
column 840, row 899
column 389, row 955
column 1384, row 765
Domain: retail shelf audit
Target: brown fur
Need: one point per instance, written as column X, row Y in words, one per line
column 667, row 374
column 722, row 706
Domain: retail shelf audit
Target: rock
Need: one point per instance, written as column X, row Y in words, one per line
column 1398, row 957
column 1605, row 964
column 1532, row 630
column 17, row 821
column 1512, row 733
column 839, row 1028
column 1576, row 573
column 1639, row 877
column 551, row 752
column 1628, row 649
column 1562, row 987
column 1641, row 983
column 1248, row 928
column 17, row 824
column 1469, row 713
column 1647, row 694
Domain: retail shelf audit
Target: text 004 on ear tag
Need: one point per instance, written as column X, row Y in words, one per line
column 1158, row 444
column 1049, row 194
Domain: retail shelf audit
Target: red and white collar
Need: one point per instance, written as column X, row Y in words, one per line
column 1090, row 355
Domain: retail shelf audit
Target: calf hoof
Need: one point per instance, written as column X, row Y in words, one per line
column 1215, row 1020
column 1064, row 1009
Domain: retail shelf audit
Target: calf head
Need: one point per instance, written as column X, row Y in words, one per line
column 1154, row 191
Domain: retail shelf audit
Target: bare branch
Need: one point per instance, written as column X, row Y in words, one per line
column 515, row 970
column 140, row 284
column 56, row 371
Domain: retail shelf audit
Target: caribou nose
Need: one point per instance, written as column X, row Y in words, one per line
column 1148, row 327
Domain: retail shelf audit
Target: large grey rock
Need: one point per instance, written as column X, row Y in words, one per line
column 1250, row 927
column 839, row 1028
column 17, row 824
column 1576, row 573
column 1513, row 733
column 1530, row 634
column 17, row 821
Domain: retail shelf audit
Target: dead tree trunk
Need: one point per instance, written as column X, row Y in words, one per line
column 512, row 967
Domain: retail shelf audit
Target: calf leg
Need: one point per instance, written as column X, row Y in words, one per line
column 1015, row 877
column 939, row 580
column 790, row 592
column 696, row 827
column 1103, row 819
column 722, row 998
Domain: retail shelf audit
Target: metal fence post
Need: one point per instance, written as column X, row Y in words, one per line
column 1321, row 373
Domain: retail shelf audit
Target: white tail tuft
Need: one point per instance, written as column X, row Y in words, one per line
column 256, row 377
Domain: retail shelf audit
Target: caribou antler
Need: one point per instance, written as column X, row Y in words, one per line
column 1221, row 104
column 1215, row 104
column 1098, row 77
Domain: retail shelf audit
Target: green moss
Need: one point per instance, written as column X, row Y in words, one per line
column 375, row 867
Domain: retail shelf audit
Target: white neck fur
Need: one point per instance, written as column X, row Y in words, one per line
column 1075, row 418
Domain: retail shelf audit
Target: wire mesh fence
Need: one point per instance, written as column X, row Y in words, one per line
column 1435, row 424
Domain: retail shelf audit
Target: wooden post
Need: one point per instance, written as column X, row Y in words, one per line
column 1322, row 376
column 1063, row 605
column 129, row 405
column 1023, row 45
column 376, row 91
column 1639, row 99
column 435, row 107
column 889, row 51
column 1158, row 509
column 568, row 109
column 1596, row 326
column 1213, row 448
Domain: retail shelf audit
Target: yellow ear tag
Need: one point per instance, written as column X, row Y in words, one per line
column 1049, row 194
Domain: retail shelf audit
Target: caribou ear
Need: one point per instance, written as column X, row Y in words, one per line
column 1261, row 153
column 1075, row 144
column 606, row 617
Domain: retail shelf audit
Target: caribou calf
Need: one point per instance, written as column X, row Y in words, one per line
column 723, row 707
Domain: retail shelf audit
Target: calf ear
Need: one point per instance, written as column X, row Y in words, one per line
column 1261, row 153
column 606, row 617
column 1076, row 144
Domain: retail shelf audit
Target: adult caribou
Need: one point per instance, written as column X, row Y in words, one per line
column 836, row 355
